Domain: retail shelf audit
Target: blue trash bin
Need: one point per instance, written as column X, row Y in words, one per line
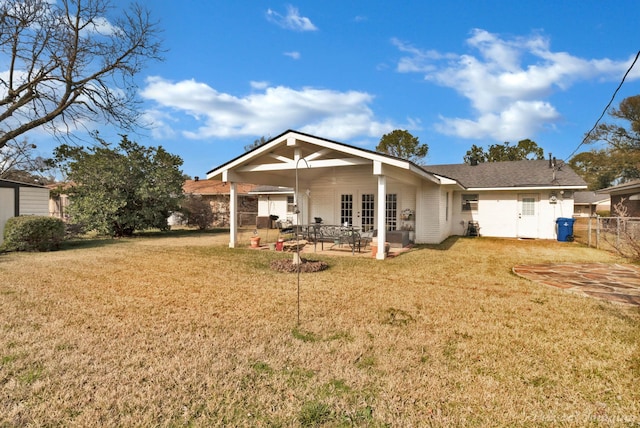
column 564, row 228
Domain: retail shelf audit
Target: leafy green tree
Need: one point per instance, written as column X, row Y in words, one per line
column 65, row 64
column 401, row 144
column 525, row 149
column 475, row 154
column 619, row 161
column 117, row 190
column 596, row 167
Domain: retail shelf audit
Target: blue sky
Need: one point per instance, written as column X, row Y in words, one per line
column 453, row 73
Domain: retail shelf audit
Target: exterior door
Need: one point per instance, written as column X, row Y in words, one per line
column 367, row 212
column 528, row 215
column 358, row 210
column 346, row 209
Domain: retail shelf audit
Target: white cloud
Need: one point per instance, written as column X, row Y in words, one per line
column 259, row 85
column 520, row 120
column 507, row 82
column 292, row 20
column 267, row 111
column 294, row 55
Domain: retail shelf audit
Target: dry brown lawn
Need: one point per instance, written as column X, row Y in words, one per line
column 183, row 331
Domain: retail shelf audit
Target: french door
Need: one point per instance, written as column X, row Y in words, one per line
column 362, row 214
column 358, row 210
column 367, row 212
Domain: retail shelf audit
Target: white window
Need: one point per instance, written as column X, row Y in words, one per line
column 291, row 206
column 470, row 202
column 391, row 211
column 528, row 206
column 346, row 209
column 368, row 212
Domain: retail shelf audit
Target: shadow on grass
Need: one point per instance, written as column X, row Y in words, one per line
column 444, row 245
column 103, row 241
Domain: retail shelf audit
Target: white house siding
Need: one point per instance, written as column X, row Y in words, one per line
column 446, row 215
column 326, row 193
column 34, row 201
column 428, row 229
column 498, row 213
column 274, row 205
column 550, row 212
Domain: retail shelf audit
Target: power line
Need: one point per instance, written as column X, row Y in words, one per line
column 586, row 137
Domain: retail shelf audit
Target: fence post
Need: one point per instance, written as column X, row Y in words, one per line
column 589, row 233
column 598, row 221
column 617, row 232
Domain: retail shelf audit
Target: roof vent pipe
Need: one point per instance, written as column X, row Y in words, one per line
column 550, row 162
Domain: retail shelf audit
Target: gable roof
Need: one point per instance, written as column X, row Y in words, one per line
column 510, row 175
column 622, row 188
column 588, row 198
column 210, row 187
column 275, row 161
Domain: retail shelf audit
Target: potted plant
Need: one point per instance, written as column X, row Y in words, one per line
column 407, row 214
column 255, row 240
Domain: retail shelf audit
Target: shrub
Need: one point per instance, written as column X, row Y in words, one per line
column 33, row 233
column 196, row 211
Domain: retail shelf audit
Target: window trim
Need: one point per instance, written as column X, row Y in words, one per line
column 469, row 202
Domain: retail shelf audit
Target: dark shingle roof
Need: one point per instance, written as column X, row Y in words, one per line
column 588, row 198
column 525, row 173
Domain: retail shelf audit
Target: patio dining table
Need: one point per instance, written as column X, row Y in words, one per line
column 338, row 235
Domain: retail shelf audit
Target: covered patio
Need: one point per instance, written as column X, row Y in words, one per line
column 343, row 185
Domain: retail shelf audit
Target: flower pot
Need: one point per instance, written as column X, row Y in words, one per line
column 255, row 242
column 374, row 248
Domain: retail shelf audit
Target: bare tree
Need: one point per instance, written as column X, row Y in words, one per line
column 19, row 162
column 66, row 64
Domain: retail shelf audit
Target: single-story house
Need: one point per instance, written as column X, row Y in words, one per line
column 589, row 204
column 627, row 195
column 217, row 194
column 343, row 184
column 21, row 199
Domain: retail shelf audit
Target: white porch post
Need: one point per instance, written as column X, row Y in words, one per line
column 233, row 215
column 382, row 228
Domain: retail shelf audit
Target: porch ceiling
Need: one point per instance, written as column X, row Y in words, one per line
column 278, row 166
column 275, row 163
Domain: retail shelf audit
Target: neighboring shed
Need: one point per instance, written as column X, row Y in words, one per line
column 21, row 199
column 274, row 201
column 627, row 195
column 588, row 204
